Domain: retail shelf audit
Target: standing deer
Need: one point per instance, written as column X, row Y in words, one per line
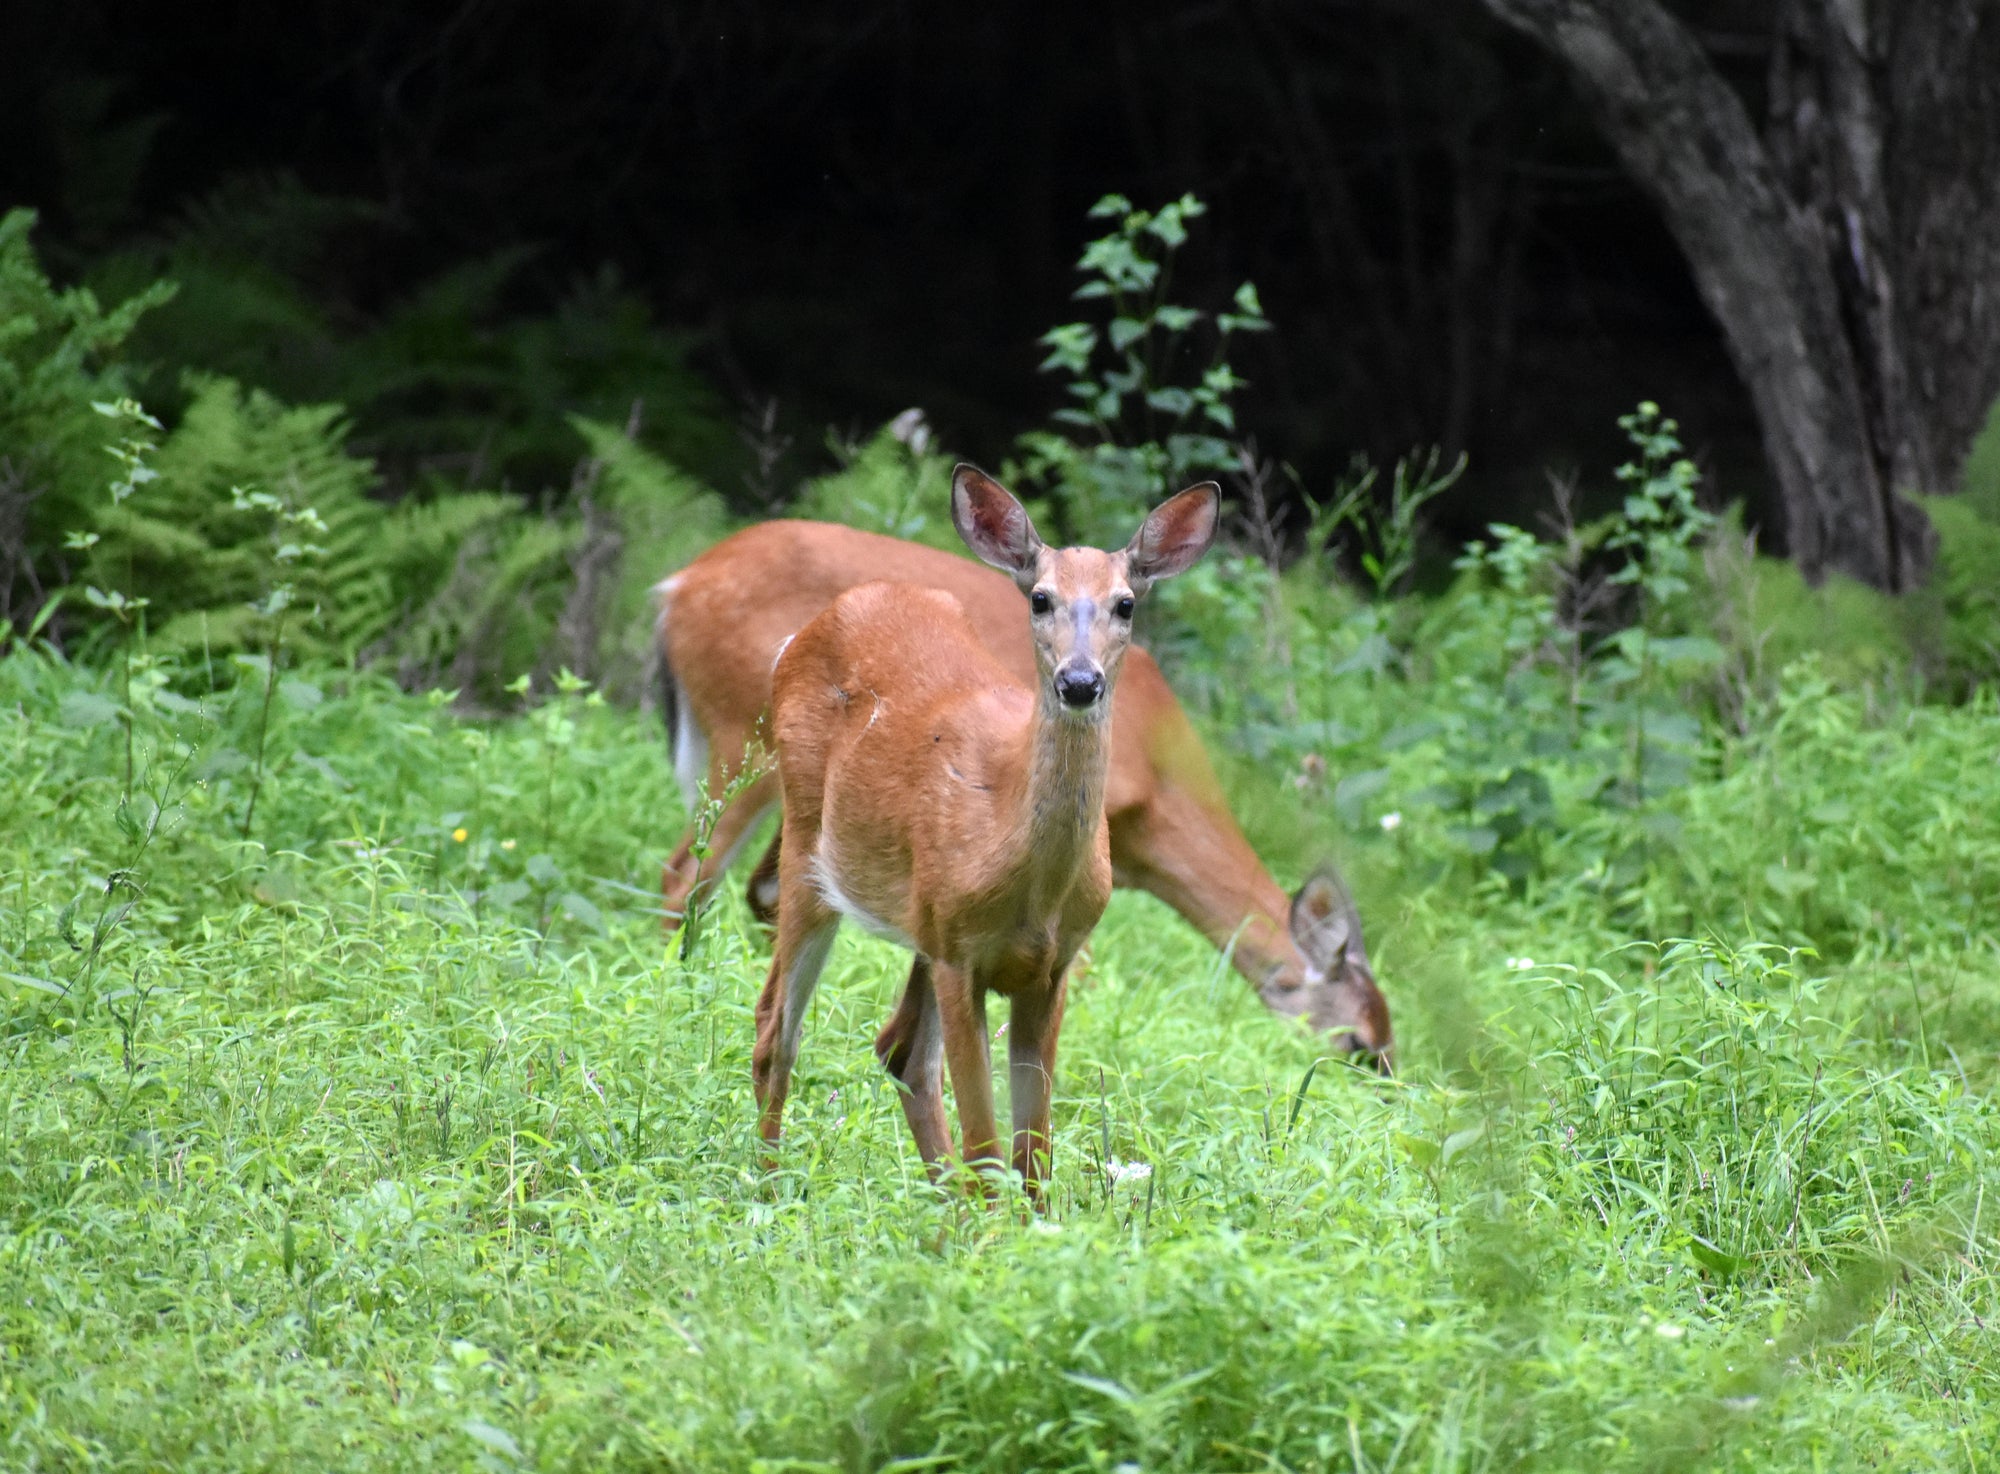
column 939, row 801
column 723, row 620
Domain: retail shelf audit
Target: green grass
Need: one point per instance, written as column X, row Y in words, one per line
column 353, row 1144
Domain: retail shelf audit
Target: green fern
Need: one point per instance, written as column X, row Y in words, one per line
column 188, row 546
column 443, row 561
column 493, row 616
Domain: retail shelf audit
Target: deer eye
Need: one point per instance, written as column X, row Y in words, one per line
column 1040, row 602
column 1123, row 608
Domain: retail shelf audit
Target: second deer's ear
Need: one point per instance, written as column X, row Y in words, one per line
column 994, row 525
column 1324, row 923
column 1178, row 532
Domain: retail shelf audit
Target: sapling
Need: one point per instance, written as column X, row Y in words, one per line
column 1133, row 425
column 708, row 809
column 121, row 888
column 130, row 451
column 290, row 528
column 1658, row 530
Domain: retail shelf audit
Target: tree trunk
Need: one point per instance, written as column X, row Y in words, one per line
column 1852, row 258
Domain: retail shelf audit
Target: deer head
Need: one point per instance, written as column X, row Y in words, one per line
column 1337, row 995
column 1081, row 600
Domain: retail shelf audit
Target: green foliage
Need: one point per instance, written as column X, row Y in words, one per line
column 250, row 514
column 1386, row 536
column 1768, row 616
column 1979, row 480
column 497, row 609
column 56, row 360
column 1554, row 679
column 1144, row 416
column 1660, row 526
column 210, row 539
column 1956, row 618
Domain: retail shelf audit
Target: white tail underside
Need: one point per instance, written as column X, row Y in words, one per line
column 690, row 742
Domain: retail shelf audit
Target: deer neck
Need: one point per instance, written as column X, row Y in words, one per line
column 1063, row 800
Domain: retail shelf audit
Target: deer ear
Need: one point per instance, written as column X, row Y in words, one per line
column 1325, row 924
column 993, row 524
column 1179, row 531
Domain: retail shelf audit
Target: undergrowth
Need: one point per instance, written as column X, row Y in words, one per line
column 391, row 1133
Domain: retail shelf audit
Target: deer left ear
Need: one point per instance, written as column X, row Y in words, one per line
column 1179, row 531
column 994, row 525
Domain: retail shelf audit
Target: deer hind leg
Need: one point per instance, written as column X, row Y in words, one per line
column 911, row 1048
column 1032, row 1028
column 762, row 892
column 805, row 936
column 962, row 1018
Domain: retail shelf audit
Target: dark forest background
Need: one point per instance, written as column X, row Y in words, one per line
column 848, row 209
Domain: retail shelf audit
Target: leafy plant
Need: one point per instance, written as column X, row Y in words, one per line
column 1143, row 414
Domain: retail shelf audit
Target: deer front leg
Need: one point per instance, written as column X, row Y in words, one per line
column 1031, row 1077
column 911, row 1048
column 962, row 1014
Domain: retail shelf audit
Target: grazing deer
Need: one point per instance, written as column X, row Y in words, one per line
column 722, row 621
column 939, row 801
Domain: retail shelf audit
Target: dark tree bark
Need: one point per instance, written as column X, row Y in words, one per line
column 1850, row 253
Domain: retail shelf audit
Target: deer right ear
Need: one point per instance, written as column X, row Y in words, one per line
column 993, row 524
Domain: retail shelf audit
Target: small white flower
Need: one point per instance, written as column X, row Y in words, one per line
column 1124, row 1172
column 1391, row 822
column 1520, row 964
column 909, row 427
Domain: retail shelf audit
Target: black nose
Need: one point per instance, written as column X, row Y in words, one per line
column 1079, row 687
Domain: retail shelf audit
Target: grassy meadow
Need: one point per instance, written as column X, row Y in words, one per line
column 378, row 1127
